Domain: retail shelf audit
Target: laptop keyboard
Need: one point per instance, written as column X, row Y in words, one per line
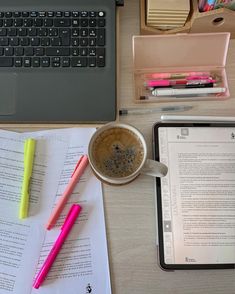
column 52, row 39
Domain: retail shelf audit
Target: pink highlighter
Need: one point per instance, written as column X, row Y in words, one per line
column 65, row 229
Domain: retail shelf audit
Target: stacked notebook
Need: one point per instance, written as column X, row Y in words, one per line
column 167, row 14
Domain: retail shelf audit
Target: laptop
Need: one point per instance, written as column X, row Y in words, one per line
column 57, row 61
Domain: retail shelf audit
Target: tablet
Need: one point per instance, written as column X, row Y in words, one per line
column 196, row 200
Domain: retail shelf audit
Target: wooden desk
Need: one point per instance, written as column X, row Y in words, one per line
column 130, row 211
column 130, row 214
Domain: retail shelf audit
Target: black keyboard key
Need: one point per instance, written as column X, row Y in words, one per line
column 18, row 22
column 9, row 51
column 101, row 14
column 55, row 61
column 3, row 32
column 35, row 61
column 4, row 41
column 25, row 14
column 39, row 51
column 75, row 14
column 35, row 41
column 32, row 32
column 84, row 32
column 45, row 42
column 67, row 13
column 14, row 41
column 33, row 14
column 75, row 22
column 101, row 37
column 83, row 42
column 75, row 42
column 1, row 51
column 65, row 62
column 24, row 41
column 75, row 32
column 59, row 14
column 50, row 13
column 8, row 14
column 101, row 22
column 92, row 52
column 8, row 22
column 1, row 22
column 38, row 22
column 65, row 36
column 84, row 14
column 57, row 51
column 6, row 61
column 28, row 22
column 42, row 14
column 92, row 33
column 75, row 51
column 100, row 53
column 48, row 22
column 1, row 14
column 91, row 61
column 55, row 42
column 18, row 61
column 19, row 51
column 92, row 13
column 63, row 22
column 22, row 32
column 53, row 32
column 92, row 42
column 92, row 22
column 45, row 62
column 84, row 52
column 17, row 14
column 42, row 32
column 12, row 32
column 84, row 22
column 28, row 51
column 27, row 61
column 79, row 61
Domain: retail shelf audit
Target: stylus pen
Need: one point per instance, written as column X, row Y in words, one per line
column 169, row 117
column 65, row 229
column 153, row 110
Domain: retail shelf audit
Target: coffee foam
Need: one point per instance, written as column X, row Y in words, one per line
column 117, row 152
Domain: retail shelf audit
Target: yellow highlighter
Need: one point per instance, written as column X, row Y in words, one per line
column 29, row 149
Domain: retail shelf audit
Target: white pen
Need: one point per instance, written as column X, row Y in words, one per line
column 153, row 110
column 187, row 91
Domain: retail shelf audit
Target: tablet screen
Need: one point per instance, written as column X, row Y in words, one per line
column 196, row 200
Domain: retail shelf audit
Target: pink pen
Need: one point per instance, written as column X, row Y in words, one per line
column 167, row 83
column 65, row 229
column 176, row 75
column 79, row 169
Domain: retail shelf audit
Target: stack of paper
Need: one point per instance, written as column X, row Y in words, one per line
column 167, row 14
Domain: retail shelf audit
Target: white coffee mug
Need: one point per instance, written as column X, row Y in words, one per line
column 117, row 154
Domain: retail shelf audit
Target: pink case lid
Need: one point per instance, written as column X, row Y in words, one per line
column 180, row 50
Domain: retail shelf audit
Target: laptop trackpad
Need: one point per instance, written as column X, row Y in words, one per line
column 7, row 93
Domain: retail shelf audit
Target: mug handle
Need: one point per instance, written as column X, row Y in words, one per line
column 154, row 168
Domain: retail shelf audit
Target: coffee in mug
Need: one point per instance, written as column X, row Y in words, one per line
column 117, row 154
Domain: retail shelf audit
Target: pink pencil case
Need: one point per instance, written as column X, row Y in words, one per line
column 180, row 53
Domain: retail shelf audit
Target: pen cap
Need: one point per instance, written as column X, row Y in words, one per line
column 72, row 215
